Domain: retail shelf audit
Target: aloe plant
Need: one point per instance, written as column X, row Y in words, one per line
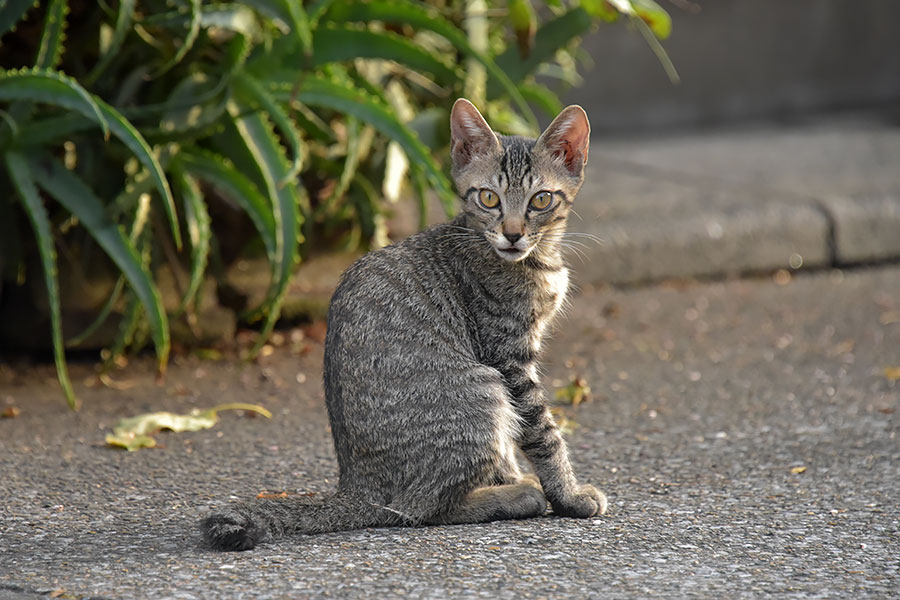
column 289, row 111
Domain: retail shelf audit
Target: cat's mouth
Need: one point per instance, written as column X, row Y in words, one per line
column 512, row 253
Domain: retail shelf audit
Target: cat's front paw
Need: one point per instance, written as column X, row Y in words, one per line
column 586, row 501
column 232, row 531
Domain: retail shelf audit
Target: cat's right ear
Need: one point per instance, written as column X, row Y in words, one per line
column 470, row 135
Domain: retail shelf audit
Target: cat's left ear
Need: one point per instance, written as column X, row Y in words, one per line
column 567, row 139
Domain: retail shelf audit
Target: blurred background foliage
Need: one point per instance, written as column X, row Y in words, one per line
column 136, row 134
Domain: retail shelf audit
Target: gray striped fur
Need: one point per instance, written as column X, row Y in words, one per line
column 431, row 357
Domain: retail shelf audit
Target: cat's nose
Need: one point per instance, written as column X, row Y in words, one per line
column 512, row 237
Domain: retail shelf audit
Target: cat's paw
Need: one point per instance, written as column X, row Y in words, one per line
column 586, row 501
column 231, row 531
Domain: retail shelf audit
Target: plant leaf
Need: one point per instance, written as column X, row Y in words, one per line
column 11, row 12
column 137, row 432
column 551, row 37
column 138, row 191
column 334, row 44
column 55, row 88
column 648, row 11
column 286, row 201
column 252, row 92
column 79, row 200
column 541, row 95
column 221, row 174
column 199, row 227
column 230, row 17
column 51, row 87
column 51, row 48
column 124, row 19
column 21, row 175
column 318, row 91
column 292, row 15
column 187, row 43
column 524, row 23
column 420, row 16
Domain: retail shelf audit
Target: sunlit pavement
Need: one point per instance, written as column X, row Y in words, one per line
column 745, row 432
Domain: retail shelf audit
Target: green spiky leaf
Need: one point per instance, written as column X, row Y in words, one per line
column 234, row 185
column 273, row 166
column 13, row 11
column 21, row 175
column 419, row 16
column 51, row 47
column 51, row 87
column 70, row 191
column 199, row 228
column 334, row 43
column 319, row 91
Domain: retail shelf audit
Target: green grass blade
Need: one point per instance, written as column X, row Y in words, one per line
column 78, row 199
column 199, row 227
column 21, row 175
column 319, row 91
column 420, row 16
column 251, row 92
column 11, row 12
column 260, row 139
column 51, row 47
column 219, row 172
column 335, row 44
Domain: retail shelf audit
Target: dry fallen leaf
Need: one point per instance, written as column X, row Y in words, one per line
column 10, row 412
column 268, row 495
column 798, row 470
column 565, row 424
column 892, row 373
column 575, row 393
column 137, row 432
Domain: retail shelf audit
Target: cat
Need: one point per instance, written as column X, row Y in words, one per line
column 431, row 372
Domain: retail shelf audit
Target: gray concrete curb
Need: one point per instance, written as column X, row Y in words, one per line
column 815, row 194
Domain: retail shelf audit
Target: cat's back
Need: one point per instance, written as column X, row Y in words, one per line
column 404, row 291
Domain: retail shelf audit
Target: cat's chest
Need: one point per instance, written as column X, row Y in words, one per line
column 550, row 288
column 548, row 297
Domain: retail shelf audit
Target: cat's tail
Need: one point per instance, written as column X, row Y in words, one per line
column 241, row 526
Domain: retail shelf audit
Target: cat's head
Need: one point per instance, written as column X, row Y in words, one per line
column 517, row 192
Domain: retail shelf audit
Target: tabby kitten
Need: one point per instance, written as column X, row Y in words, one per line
column 431, row 356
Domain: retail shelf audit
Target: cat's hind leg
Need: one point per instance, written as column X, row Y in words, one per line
column 496, row 503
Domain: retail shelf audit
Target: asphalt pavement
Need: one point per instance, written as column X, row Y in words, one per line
column 745, row 431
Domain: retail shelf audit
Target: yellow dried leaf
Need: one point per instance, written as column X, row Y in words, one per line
column 575, row 393
column 798, row 470
column 137, row 432
column 892, row 373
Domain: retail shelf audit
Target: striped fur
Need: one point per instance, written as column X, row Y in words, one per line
column 431, row 357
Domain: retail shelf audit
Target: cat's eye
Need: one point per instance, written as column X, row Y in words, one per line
column 488, row 199
column 541, row 200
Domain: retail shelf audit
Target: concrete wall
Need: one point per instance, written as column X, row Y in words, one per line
column 745, row 59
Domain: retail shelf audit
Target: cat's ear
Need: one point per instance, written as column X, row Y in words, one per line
column 470, row 135
column 567, row 139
